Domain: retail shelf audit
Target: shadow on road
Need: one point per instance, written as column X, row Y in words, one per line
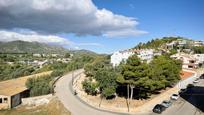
column 195, row 96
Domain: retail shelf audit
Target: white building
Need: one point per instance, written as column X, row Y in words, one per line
column 188, row 60
column 197, row 43
column 143, row 54
column 171, row 45
column 146, row 54
column 119, row 56
column 199, row 58
column 37, row 55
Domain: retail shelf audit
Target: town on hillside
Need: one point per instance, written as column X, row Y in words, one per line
column 101, row 57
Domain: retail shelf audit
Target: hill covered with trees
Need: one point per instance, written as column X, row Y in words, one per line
column 30, row 47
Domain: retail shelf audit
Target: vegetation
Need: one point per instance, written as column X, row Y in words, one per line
column 156, row 43
column 136, row 75
column 14, row 71
column 101, row 73
column 30, row 47
column 43, row 85
column 198, row 49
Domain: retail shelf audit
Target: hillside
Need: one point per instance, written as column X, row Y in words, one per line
column 157, row 43
column 30, row 47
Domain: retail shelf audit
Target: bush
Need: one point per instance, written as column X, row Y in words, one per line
column 39, row 86
column 108, row 92
column 90, row 87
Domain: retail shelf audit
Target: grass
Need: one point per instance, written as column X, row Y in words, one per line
column 54, row 107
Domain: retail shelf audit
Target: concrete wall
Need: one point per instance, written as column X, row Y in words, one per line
column 183, row 83
column 5, row 103
column 15, row 100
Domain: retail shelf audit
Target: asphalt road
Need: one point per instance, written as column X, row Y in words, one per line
column 190, row 103
column 70, row 101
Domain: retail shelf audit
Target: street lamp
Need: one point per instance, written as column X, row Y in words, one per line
column 72, row 75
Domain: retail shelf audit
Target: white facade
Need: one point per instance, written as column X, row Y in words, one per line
column 188, row 61
column 199, row 58
column 37, row 55
column 197, row 43
column 119, row 56
column 146, row 54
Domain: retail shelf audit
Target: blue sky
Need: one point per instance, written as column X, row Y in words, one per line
column 102, row 26
column 159, row 18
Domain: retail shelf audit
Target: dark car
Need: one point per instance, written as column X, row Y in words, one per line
column 202, row 76
column 166, row 103
column 158, row 108
column 190, row 86
column 182, row 91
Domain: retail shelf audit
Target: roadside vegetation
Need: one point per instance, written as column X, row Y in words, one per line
column 15, row 69
column 135, row 77
column 44, row 85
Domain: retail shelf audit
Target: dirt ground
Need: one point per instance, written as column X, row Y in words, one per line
column 118, row 104
column 54, row 107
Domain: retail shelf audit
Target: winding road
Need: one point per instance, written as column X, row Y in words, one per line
column 71, row 102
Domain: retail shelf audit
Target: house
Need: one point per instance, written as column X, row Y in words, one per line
column 146, row 54
column 188, row 60
column 12, row 91
column 199, row 58
column 143, row 54
column 54, row 55
column 182, row 43
column 171, row 45
column 64, row 60
column 120, row 56
column 36, row 55
column 197, row 43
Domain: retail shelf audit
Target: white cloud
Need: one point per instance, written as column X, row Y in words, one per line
column 124, row 33
column 7, row 36
column 31, row 36
column 80, row 17
column 89, row 44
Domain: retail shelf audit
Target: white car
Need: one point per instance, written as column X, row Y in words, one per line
column 174, row 96
column 196, row 81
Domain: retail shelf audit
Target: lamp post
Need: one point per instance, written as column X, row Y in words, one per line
column 72, row 75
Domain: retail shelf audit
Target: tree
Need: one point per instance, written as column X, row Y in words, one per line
column 198, row 49
column 165, row 70
column 131, row 72
column 67, row 55
column 90, row 87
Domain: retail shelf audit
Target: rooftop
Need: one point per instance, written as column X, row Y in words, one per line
column 15, row 86
column 185, row 74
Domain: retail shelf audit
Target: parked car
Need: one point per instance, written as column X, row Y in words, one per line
column 158, row 108
column 166, row 103
column 190, row 86
column 174, row 96
column 196, row 81
column 202, row 76
column 182, row 91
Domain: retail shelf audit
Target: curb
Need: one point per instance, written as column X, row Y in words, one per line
column 96, row 108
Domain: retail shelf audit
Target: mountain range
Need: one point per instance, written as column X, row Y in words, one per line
column 35, row 47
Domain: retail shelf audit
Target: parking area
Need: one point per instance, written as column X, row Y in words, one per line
column 190, row 102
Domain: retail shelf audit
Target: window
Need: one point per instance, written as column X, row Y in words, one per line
column 5, row 100
column 0, row 100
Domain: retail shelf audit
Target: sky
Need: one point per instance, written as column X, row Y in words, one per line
column 102, row 26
